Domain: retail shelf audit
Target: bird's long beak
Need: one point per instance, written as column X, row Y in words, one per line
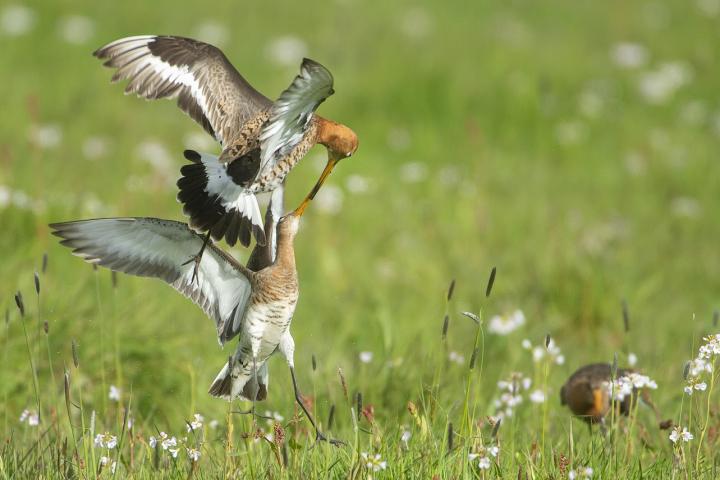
column 333, row 160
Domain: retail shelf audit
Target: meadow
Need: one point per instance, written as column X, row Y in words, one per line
column 570, row 145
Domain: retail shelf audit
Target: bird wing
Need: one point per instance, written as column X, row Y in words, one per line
column 207, row 86
column 263, row 256
column 150, row 247
column 290, row 115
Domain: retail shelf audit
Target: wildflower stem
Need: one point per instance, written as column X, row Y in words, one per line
column 32, row 366
column 478, row 335
column 707, row 416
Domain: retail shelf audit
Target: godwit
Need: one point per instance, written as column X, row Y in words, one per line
column 261, row 140
column 257, row 305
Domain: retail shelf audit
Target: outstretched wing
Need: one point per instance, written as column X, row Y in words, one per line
column 291, row 113
column 207, row 86
column 150, row 247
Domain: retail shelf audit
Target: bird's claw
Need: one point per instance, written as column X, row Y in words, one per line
column 196, row 259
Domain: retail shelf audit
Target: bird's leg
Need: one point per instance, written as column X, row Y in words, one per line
column 198, row 257
column 319, row 436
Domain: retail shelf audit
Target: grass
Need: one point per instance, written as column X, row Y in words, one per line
column 491, row 135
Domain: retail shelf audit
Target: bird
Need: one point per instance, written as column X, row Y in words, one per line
column 587, row 394
column 255, row 302
column 261, row 140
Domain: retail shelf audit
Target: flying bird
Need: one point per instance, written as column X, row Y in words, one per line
column 256, row 302
column 261, row 140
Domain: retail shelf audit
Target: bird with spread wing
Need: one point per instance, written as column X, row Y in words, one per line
column 255, row 302
column 261, row 140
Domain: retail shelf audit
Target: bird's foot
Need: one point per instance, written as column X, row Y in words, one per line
column 196, row 259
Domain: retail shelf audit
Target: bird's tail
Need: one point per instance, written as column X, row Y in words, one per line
column 237, row 381
column 214, row 201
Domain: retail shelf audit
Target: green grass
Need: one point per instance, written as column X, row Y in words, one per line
column 542, row 157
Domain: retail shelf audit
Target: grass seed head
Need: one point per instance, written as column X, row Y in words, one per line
column 46, row 327
column 74, row 346
column 20, row 303
column 473, row 358
column 446, row 325
column 626, row 316
column 37, row 283
column 450, row 436
column 451, row 289
column 359, row 404
column 314, row 362
column 547, row 341
column 491, row 282
column 44, row 263
column 114, row 278
column 331, row 416
column 343, row 383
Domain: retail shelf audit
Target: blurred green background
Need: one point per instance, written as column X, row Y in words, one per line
column 574, row 145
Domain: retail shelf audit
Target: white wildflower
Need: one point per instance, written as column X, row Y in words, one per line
column 193, row 454
column 357, row 184
column 374, row 462
column 30, row 417
column 46, row 136
column 287, row 51
column 114, row 393
column 196, row 424
column 710, row 8
column 632, row 359
column 366, row 357
column 416, row 23
column 105, row 440
column 213, row 424
column 658, row 86
column 399, row 139
column 94, row 147
column 537, row 396
column 629, row 55
column 677, row 434
column 504, row 324
column 212, row 32
column 413, row 172
column 405, row 437
column 456, row 357
column 570, row 132
column 152, row 441
column 16, row 20
column 484, row 463
column 329, row 200
column 173, row 452
column 580, row 473
column 168, row 442
column 76, row 29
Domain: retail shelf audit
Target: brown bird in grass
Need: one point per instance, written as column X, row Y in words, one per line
column 261, row 140
column 587, row 392
column 255, row 302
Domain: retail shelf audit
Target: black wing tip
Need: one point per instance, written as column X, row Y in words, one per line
column 192, row 156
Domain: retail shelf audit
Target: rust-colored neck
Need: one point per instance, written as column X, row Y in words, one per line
column 285, row 250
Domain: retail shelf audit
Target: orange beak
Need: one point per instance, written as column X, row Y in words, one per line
column 332, row 161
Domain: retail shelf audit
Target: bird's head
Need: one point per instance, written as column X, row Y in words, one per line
column 339, row 139
column 289, row 225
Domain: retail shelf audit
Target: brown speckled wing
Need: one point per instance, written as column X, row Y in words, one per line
column 206, row 85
